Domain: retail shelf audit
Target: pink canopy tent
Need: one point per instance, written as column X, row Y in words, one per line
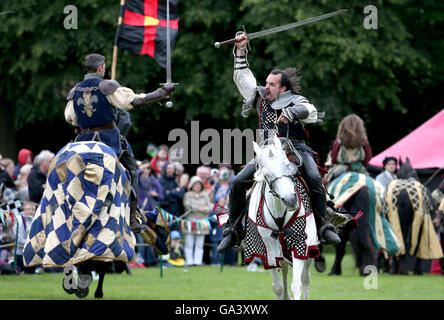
column 423, row 146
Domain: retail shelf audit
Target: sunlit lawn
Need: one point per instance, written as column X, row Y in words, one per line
column 209, row 283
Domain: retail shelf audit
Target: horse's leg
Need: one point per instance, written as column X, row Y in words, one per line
column 99, row 291
column 340, row 252
column 285, row 280
column 418, row 267
column 405, row 214
column 276, row 284
column 306, row 278
column 319, row 262
column 296, row 284
column 84, row 280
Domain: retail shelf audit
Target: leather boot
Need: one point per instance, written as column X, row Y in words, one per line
column 135, row 221
column 326, row 231
column 230, row 238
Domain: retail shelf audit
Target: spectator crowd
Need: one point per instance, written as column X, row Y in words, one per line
column 188, row 197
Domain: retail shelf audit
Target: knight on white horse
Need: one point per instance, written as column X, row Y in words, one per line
column 281, row 228
column 282, row 111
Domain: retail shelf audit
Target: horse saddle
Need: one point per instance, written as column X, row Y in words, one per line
column 293, row 156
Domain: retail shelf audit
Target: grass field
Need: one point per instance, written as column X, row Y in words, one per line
column 208, row 283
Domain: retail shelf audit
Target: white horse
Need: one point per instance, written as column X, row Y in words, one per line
column 280, row 226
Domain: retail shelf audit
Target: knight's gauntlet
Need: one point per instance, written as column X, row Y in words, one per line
column 294, row 113
column 154, row 96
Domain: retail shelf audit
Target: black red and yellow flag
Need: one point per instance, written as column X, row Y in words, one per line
column 144, row 28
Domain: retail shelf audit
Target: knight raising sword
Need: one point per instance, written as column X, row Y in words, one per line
column 286, row 113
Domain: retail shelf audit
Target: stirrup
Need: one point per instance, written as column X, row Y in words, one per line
column 136, row 218
column 337, row 219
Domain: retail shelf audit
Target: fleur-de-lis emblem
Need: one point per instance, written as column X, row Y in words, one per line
column 87, row 100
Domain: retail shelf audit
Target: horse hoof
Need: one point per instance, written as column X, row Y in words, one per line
column 334, row 273
column 98, row 295
column 320, row 265
column 67, row 290
column 84, row 281
column 82, row 293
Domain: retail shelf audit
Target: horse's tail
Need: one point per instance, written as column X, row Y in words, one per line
column 361, row 239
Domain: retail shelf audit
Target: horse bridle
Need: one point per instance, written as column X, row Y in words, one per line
column 270, row 183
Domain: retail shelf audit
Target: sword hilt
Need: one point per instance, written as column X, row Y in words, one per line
column 224, row 43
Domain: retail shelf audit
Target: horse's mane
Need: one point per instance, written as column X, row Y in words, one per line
column 259, row 174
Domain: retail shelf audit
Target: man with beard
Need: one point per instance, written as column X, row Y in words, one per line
column 283, row 112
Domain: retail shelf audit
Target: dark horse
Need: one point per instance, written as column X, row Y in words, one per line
column 357, row 192
column 83, row 216
column 409, row 208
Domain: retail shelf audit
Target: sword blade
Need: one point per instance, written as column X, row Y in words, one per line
column 262, row 33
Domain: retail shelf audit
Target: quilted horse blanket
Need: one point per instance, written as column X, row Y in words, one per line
column 345, row 186
column 424, row 242
column 299, row 239
column 84, row 211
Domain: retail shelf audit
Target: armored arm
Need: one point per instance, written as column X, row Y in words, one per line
column 293, row 113
column 154, row 96
column 303, row 111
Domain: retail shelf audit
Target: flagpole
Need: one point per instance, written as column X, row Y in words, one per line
column 115, row 49
column 168, row 69
column 169, row 103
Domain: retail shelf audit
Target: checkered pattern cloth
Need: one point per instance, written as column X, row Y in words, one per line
column 299, row 237
column 84, row 212
column 424, row 242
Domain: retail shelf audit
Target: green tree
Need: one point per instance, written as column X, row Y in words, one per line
column 382, row 75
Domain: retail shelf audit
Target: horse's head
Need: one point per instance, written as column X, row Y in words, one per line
column 277, row 171
column 406, row 170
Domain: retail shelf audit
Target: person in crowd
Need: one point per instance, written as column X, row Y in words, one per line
column 24, row 156
column 384, row 178
column 179, row 170
column 351, row 150
column 177, row 254
column 7, row 254
column 150, row 194
column 150, row 189
column 8, row 165
column 183, row 185
column 22, row 182
column 203, row 172
column 173, row 193
column 160, row 165
column 22, row 225
column 222, row 189
column 198, row 204
column 159, row 160
column 5, row 179
column 37, row 176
